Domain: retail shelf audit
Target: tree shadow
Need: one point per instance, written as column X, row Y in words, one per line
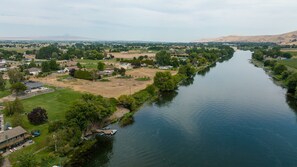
column 165, row 98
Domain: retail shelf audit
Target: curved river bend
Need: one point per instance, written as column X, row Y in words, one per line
column 232, row 116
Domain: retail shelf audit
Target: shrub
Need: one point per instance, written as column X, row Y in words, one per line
column 83, row 74
column 127, row 119
column 38, row 116
column 127, row 102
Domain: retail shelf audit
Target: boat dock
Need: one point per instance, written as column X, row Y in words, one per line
column 105, row 131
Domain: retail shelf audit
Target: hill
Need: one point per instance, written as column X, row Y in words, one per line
column 281, row 39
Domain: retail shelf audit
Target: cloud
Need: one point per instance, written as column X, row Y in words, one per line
column 163, row 20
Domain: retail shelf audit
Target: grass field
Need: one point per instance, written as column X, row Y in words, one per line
column 292, row 51
column 6, row 92
column 56, row 104
column 89, row 64
column 292, row 63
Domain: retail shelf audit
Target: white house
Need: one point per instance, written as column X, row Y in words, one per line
column 34, row 71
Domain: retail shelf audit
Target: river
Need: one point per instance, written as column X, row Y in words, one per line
column 234, row 115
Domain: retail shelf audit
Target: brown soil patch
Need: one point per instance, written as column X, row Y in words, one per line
column 114, row 88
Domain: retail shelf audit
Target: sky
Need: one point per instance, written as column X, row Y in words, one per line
column 146, row 20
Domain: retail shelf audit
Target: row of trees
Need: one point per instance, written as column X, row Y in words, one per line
column 275, row 52
column 53, row 52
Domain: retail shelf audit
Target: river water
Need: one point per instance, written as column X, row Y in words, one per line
column 234, row 115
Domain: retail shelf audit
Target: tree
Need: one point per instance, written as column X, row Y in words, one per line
column 258, row 55
column 27, row 160
column 121, row 71
column 88, row 110
column 78, row 65
column 2, row 83
column 163, row 58
column 15, row 76
column 127, row 102
column 38, row 116
column 48, row 52
column 164, row 81
column 17, row 120
column 53, row 65
column 72, row 72
column 292, row 83
column 13, row 107
column 94, row 55
column 32, row 64
column 45, row 66
column 279, row 68
column 18, row 88
column 83, row 74
column 187, row 70
column 100, row 66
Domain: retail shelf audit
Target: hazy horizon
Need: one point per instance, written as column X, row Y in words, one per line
column 146, row 20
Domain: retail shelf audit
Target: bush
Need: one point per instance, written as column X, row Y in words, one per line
column 83, row 75
column 13, row 107
column 279, row 68
column 55, row 125
column 292, row 83
column 127, row 119
column 127, row 102
column 38, row 116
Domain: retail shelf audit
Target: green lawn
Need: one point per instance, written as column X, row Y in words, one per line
column 89, row 64
column 292, row 63
column 56, row 104
column 6, row 92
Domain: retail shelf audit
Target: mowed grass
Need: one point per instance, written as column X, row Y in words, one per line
column 5, row 92
column 89, row 64
column 56, row 105
column 292, row 63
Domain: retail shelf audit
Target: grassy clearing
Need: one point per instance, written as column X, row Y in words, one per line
column 143, row 79
column 292, row 63
column 89, row 64
column 6, row 92
column 56, row 104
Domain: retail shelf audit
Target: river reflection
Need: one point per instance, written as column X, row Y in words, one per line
column 235, row 116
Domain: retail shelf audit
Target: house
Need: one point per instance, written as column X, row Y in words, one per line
column 126, row 66
column 3, row 66
column 29, row 57
column 34, row 71
column 67, row 69
column 33, row 86
column 165, row 67
column 107, row 72
column 13, row 137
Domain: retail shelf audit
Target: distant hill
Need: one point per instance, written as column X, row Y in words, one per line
column 281, row 39
column 50, row 38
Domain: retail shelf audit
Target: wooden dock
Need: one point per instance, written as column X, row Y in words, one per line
column 105, row 132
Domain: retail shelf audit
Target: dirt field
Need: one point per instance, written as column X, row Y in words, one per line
column 131, row 55
column 114, row 88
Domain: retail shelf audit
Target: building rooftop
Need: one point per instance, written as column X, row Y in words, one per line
column 9, row 134
column 33, row 84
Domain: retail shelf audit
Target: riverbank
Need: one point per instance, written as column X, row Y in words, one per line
column 269, row 72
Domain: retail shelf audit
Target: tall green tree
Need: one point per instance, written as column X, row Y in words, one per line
column 18, row 88
column 2, row 83
column 163, row 58
column 27, row 160
column 187, row 70
column 53, row 65
column 45, row 66
column 165, row 81
column 14, row 107
column 15, row 76
column 100, row 66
